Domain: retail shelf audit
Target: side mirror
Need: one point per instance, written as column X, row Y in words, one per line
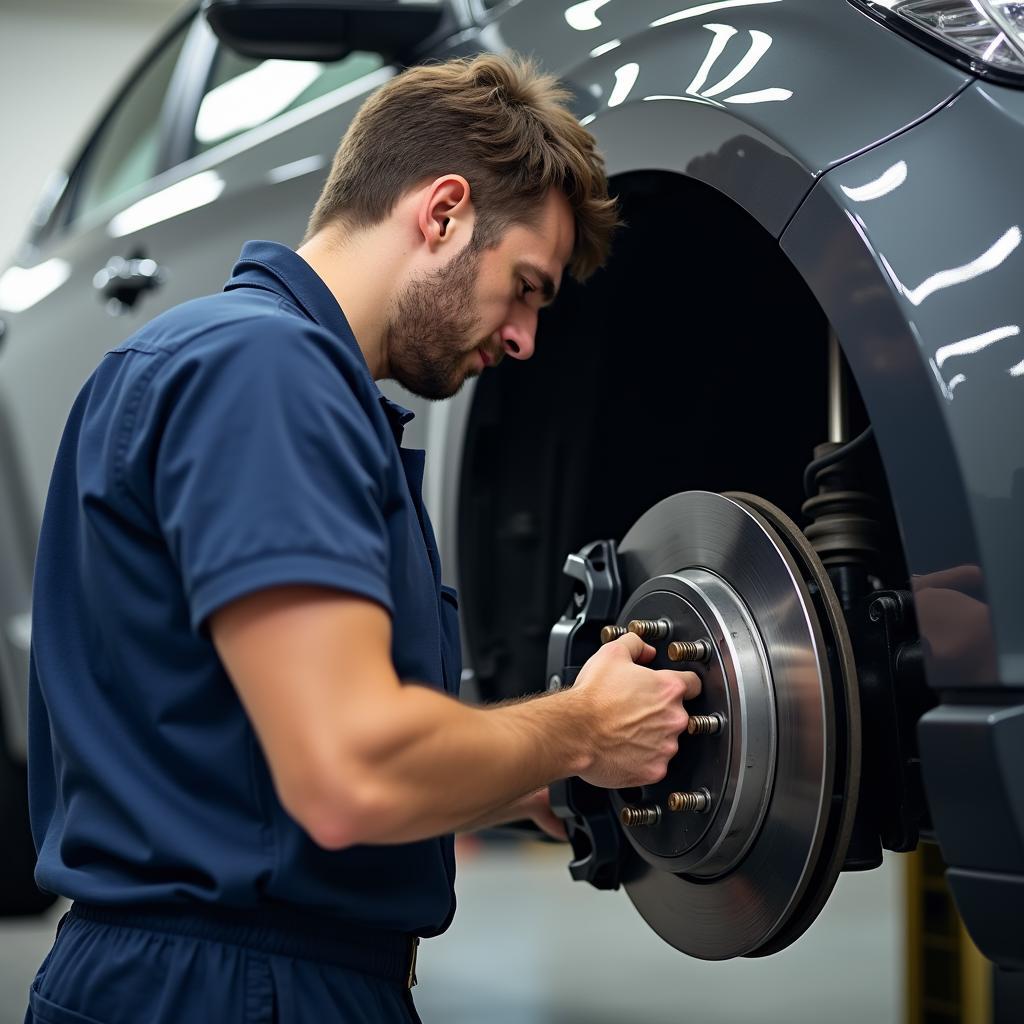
column 322, row 30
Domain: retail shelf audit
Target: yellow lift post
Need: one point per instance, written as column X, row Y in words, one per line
column 948, row 979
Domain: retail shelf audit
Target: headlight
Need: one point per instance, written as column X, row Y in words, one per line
column 985, row 36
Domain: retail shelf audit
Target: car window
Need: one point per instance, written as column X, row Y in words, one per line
column 244, row 92
column 126, row 151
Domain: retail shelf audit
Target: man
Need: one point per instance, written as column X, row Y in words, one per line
column 246, row 756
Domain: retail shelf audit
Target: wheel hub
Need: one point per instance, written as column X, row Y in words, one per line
column 734, row 765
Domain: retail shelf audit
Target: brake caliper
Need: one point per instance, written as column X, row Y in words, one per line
column 588, row 815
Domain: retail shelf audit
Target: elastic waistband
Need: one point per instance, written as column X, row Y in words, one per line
column 280, row 931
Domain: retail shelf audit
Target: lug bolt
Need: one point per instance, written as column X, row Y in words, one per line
column 700, row 801
column 650, row 629
column 689, row 650
column 610, row 633
column 632, row 817
column 705, row 725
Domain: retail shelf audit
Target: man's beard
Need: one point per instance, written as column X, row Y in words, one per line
column 429, row 336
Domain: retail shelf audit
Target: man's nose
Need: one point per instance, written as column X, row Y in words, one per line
column 517, row 339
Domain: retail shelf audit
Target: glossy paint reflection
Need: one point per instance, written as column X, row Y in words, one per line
column 991, row 258
column 296, row 168
column 625, row 79
column 889, row 180
column 583, row 16
column 699, row 10
column 181, row 197
column 759, row 44
column 969, row 346
column 22, row 287
column 253, row 97
column 722, row 35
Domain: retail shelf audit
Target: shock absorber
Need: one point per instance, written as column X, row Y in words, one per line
column 843, row 528
column 845, row 532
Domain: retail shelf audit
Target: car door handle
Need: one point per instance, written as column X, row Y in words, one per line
column 124, row 279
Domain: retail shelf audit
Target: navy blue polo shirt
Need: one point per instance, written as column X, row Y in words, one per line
column 234, row 443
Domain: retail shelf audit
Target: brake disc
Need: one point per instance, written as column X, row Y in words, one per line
column 737, row 850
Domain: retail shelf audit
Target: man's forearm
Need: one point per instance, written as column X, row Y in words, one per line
column 490, row 819
column 435, row 764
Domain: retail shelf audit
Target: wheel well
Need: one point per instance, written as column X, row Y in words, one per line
column 696, row 359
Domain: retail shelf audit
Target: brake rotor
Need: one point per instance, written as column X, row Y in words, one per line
column 737, row 850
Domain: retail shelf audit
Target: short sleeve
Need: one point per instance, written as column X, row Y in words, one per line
column 268, row 469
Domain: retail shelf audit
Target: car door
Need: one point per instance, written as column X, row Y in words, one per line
column 262, row 134
column 54, row 327
column 203, row 150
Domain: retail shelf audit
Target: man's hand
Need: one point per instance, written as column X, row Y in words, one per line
column 636, row 713
column 538, row 809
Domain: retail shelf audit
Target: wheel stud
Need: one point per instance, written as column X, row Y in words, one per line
column 650, row 629
column 610, row 633
column 705, row 725
column 632, row 817
column 700, row 801
column 689, row 650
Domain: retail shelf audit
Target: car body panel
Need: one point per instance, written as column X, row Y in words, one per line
column 762, row 81
column 928, row 310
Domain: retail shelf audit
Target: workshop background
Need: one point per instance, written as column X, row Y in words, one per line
column 528, row 946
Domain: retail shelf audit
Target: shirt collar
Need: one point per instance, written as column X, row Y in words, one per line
column 279, row 269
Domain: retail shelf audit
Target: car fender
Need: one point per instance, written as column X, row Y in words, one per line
column 851, row 83
column 754, row 97
column 914, row 252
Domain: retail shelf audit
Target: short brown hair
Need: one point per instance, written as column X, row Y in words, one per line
column 495, row 120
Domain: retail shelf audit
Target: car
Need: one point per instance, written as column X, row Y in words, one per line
column 781, row 434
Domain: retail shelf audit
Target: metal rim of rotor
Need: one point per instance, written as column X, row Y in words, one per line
column 766, row 901
column 846, row 703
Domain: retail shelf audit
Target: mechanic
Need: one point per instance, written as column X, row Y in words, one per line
column 246, row 753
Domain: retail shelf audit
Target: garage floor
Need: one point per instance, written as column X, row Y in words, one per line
column 530, row 947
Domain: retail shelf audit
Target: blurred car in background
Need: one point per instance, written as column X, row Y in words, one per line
column 816, row 295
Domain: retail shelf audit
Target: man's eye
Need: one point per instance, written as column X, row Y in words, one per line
column 527, row 287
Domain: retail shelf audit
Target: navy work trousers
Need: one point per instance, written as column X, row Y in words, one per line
column 176, row 970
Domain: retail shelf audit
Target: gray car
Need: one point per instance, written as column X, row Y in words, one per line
column 781, row 434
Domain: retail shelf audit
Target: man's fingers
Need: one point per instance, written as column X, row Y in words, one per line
column 640, row 652
column 551, row 824
column 690, row 682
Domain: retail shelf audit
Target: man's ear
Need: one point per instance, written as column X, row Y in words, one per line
column 446, row 211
